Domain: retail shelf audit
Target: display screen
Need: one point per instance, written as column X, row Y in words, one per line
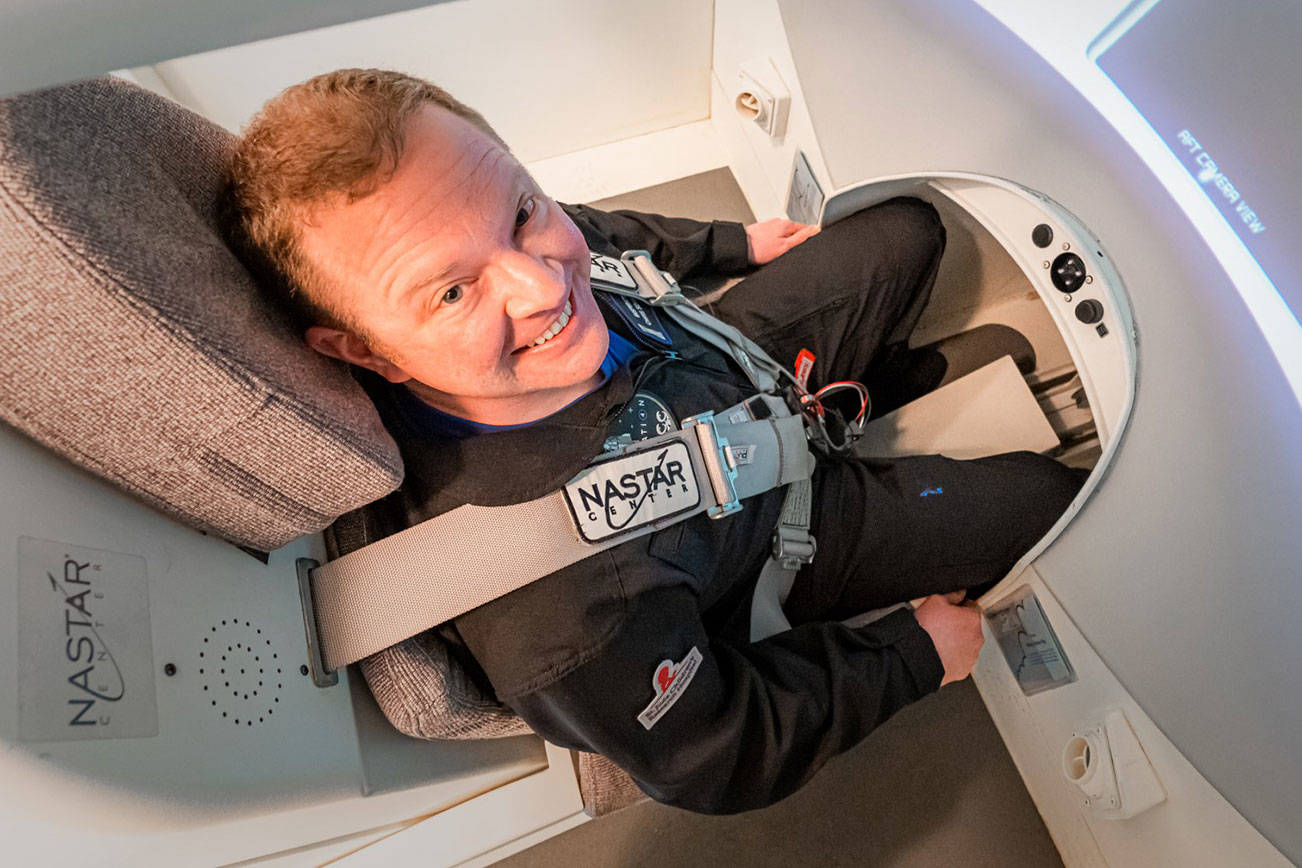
column 1221, row 83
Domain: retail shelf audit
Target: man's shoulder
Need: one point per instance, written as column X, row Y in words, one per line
column 595, row 229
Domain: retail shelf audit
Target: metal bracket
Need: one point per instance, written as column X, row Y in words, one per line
column 793, row 547
column 321, row 677
column 719, row 465
column 658, row 288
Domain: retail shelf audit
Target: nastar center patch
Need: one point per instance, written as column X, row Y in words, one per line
column 622, row 494
column 669, row 682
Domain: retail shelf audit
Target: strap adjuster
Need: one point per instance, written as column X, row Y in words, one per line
column 321, row 676
column 720, row 468
column 657, row 288
column 793, row 547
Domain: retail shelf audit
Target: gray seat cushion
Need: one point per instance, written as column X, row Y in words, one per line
column 138, row 346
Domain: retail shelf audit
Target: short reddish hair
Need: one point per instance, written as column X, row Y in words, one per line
column 338, row 133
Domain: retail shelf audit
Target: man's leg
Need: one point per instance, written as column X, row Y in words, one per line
column 890, row 531
column 847, row 294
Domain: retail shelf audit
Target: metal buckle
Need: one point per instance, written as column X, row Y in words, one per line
column 321, row 677
column 657, row 288
column 793, row 547
column 719, row 466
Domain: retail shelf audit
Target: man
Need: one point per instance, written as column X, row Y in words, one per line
column 423, row 253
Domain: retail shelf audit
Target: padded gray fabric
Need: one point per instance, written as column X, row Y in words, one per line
column 425, row 693
column 604, row 786
column 138, row 346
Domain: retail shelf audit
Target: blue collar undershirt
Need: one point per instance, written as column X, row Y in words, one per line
column 431, row 420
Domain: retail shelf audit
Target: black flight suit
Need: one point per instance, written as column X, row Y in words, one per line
column 576, row 653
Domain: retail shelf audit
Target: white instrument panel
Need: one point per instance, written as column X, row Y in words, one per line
column 1093, row 317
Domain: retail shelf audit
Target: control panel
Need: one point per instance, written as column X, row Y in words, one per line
column 1066, row 265
column 1061, row 258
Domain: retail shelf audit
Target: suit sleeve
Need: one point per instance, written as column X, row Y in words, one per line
column 681, row 246
column 753, row 721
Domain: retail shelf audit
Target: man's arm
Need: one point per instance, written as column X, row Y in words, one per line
column 752, row 722
column 681, row 246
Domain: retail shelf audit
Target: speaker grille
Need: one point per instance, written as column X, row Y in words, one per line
column 241, row 672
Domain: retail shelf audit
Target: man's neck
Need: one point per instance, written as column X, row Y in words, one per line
column 509, row 410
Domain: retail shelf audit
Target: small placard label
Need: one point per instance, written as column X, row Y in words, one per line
column 1028, row 643
column 625, row 493
column 85, row 651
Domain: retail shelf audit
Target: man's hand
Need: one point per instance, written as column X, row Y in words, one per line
column 769, row 239
column 955, row 630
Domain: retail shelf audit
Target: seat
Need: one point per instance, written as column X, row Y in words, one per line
column 140, row 348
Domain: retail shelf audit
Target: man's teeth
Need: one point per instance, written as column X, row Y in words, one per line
column 555, row 327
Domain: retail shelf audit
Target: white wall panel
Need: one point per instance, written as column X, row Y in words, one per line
column 553, row 76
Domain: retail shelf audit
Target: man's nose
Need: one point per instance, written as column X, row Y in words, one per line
column 531, row 284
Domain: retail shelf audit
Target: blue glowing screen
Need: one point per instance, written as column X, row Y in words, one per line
column 1221, row 83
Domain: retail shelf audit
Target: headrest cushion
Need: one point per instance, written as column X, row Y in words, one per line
column 137, row 345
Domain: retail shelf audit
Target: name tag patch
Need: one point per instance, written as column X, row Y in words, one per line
column 631, row 491
column 643, row 319
column 669, row 682
column 607, row 269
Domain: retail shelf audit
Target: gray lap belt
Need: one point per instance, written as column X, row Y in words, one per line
column 432, row 572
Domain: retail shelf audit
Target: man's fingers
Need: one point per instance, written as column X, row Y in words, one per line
column 956, row 597
column 802, row 234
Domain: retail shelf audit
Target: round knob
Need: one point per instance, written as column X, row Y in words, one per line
column 1042, row 235
column 1067, row 272
column 1089, row 311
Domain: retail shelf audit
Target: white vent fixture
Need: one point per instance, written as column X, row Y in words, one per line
column 762, row 97
column 1106, row 762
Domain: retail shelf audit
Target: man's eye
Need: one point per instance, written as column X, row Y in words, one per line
column 452, row 295
column 525, row 211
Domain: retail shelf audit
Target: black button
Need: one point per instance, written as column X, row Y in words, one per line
column 1042, row 235
column 1089, row 311
column 1067, row 272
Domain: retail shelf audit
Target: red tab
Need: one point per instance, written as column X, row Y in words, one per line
column 804, row 364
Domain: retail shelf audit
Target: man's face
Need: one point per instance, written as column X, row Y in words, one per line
column 459, row 274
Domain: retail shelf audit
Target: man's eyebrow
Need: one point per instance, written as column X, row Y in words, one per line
column 521, row 179
column 419, row 286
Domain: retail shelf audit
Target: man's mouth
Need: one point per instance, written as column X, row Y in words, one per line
column 557, row 326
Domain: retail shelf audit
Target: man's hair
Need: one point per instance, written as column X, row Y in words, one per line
column 341, row 133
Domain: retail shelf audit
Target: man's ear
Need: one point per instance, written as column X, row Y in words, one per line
column 341, row 344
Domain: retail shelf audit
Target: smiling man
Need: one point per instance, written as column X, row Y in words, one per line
column 474, row 284
column 420, row 251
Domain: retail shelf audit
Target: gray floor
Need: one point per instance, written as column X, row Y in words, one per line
column 934, row 786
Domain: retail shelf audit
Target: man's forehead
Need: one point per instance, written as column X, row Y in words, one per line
column 453, row 144
column 453, row 182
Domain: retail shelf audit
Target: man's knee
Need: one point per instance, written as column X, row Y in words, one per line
column 1046, row 489
column 907, row 229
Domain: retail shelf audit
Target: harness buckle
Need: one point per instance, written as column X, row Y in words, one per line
column 657, row 288
column 793, row 547
column 321, row 676
column 720, row 467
